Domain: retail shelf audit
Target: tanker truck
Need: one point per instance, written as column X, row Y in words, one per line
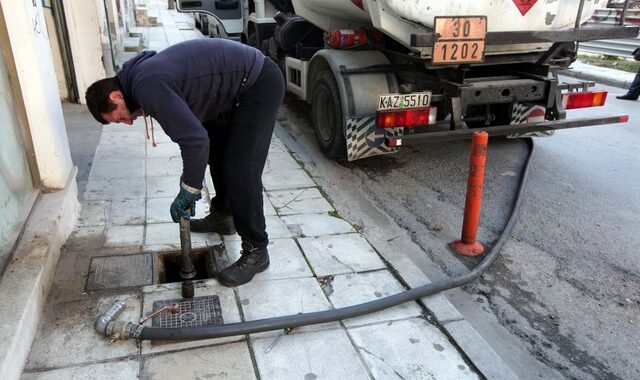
column 381, row 74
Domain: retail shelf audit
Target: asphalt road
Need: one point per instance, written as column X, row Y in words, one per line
column 563, row 300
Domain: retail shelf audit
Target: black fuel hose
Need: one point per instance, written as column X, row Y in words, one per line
column 297, row 320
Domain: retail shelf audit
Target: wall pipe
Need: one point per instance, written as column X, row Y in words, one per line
column 57, row 9
column 126, row 330
column 114, row 66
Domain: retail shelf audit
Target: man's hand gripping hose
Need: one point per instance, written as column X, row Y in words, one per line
column 184, row 205
column 125, row 330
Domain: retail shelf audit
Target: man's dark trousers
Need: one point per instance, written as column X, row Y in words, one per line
column 634, row 89
column 238, row 151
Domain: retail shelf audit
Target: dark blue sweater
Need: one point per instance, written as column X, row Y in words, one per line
column 186, row 85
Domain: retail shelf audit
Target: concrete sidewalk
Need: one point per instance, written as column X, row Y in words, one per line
column 319, row 262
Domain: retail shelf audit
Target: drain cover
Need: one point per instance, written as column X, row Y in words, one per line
column 197, row 311
column 109, row 272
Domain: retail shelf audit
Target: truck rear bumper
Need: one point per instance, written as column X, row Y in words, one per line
column 502, row 130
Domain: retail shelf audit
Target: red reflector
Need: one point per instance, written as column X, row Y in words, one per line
column 358, row 3
column 407, row 118
column 585, row 99
column 393, row 143
column 623, row 119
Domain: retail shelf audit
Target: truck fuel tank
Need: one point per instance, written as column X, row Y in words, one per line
column 502, row 15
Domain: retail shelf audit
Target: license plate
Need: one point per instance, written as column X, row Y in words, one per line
column 390, row 102
column 459, row 39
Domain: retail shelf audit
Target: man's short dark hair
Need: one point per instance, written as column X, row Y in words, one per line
column 97, row 97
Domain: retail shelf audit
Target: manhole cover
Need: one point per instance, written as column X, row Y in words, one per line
column 109, row 272
column 194, row 312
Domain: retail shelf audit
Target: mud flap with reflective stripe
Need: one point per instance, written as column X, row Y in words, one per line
column 364, row 139
column 526, row 113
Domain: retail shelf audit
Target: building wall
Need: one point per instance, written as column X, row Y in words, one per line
column 15, row 176
column 30, row 46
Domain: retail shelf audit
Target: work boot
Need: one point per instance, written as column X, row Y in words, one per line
column 628, row 96
column 251, row 262
column 214, row 222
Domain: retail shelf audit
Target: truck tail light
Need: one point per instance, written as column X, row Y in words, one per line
column 350, row 38
column 584, row 99
column 407, row 117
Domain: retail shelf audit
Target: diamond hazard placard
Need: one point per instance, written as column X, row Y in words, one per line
column 524, row 5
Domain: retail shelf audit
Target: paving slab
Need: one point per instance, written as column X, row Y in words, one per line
column 69, row 278
column 86, row 239
column 316, row 225
column 70, row 326
column 166, row 150
column 278, row 161
column 124, row 236
column 169, row 234
column 94, row 213
column 337, row 254
column 158, row 210
column 409, row 349
column 165, row 166
column 286, row 260
column 171, row 291
column 273, row 298
column 267, row 207
column 478, row 350
column 122, row 138
column 127, row 369
column 277, row 146
column 110, row 152
column 299, row 201
column 115, row 189
column 138, row 126
column 287, row 179
column 111, row 169
column 125, row 212
column 276, row 229
column 326, row 354
column 163, row 187
column 352, row 289
column 159, row 136
column 227, row 361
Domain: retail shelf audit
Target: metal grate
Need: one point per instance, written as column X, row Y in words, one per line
column 110, row 272
column 194, row 312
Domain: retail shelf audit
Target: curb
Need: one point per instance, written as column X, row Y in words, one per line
column 27, row 279
column 585, row 75
column 601, row 75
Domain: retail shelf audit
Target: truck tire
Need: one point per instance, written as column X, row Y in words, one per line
column 326, row 115
column 205, row 26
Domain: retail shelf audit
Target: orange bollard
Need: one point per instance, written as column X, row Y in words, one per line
column 468, row 245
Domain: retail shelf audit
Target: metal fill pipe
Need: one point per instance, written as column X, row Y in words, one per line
column 187, row 272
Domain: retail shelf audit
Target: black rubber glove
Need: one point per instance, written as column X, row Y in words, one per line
column 185, row 203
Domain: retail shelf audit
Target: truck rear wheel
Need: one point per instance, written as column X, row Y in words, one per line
column 326, row 114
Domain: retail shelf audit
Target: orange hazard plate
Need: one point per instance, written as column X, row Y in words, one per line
column 459, row 39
